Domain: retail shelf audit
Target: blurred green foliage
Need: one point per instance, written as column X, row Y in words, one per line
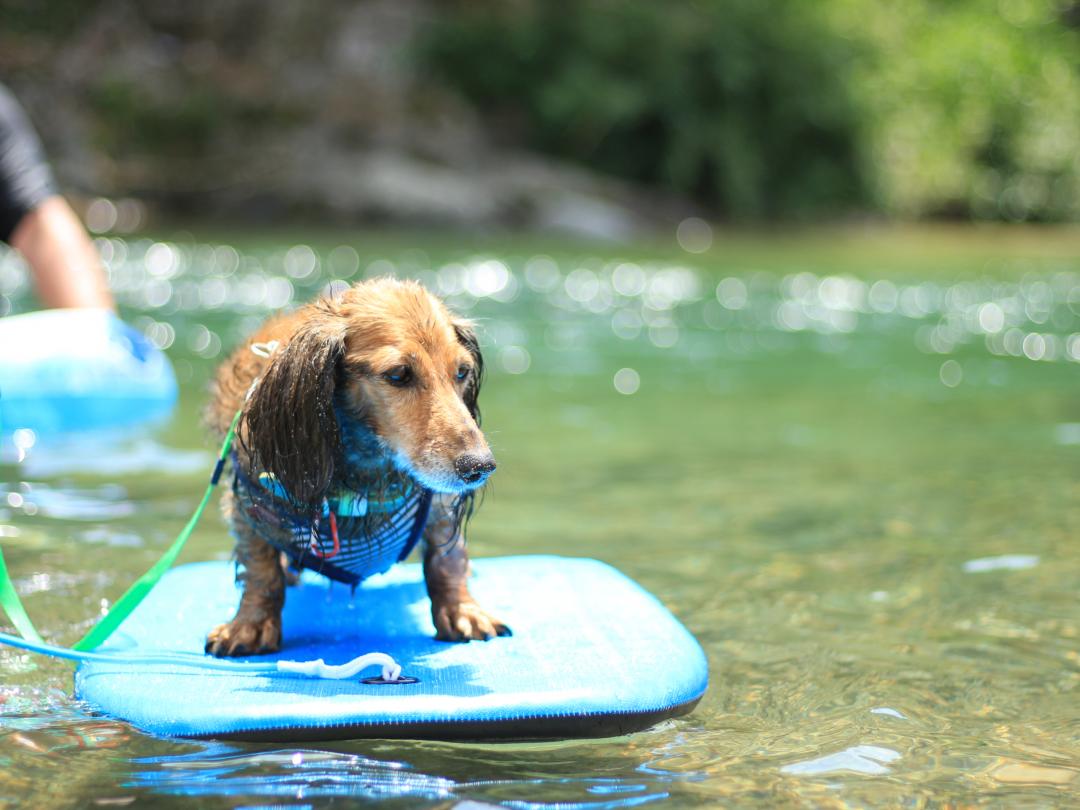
column 53, row 18
column 780, row 108
column 968, row 107
column 728, row 101
column 135, row 122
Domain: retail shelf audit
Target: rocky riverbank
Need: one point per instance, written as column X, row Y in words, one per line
column 256, row 111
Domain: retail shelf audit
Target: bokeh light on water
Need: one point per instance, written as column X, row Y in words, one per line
column 208, row 296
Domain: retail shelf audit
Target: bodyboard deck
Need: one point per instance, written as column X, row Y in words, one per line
column 592, row 655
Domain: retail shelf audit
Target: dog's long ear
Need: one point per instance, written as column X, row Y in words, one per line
column 465, row 505
column 289, row 427
column 466, row 336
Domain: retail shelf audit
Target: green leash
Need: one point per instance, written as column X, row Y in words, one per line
column 9, row 599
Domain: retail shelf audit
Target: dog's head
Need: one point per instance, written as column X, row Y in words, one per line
column 389, row 356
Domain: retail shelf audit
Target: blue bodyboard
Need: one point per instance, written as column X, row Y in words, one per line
column 592, row 655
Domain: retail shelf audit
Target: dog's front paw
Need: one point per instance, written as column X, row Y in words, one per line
column 245, row 637
column 465, row 621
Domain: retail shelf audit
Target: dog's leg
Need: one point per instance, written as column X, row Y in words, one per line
column 256, row 628
column 291, row 577
column 456, row 614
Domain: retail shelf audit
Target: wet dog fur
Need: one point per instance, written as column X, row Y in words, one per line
column 387, row 356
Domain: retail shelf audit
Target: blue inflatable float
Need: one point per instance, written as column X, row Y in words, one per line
column 69, row 370
column 592, row 655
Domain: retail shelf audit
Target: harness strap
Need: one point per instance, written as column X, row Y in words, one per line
column 422, row 511
column 314, row 548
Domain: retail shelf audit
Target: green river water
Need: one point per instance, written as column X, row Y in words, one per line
column 848, row 463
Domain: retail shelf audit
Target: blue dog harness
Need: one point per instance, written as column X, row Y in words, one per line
column 355, row 536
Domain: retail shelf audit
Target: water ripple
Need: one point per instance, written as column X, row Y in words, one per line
column 868, row 759
column 223, row 770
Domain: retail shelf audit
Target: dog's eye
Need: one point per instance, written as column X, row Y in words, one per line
column 463, row 372
column 400, row 376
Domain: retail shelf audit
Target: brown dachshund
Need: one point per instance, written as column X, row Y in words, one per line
column 359, row 435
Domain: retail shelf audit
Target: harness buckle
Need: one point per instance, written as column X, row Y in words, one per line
column 316, row 548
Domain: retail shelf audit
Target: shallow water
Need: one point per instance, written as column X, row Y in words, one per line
column 853, row 475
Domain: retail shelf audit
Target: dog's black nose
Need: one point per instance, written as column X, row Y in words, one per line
column 473, row 469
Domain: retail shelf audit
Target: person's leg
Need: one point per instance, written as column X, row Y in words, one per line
column 38, row 222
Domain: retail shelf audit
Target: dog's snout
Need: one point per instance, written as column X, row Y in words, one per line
column 474, row 468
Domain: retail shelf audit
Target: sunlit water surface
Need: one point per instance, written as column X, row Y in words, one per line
column 858, row 489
